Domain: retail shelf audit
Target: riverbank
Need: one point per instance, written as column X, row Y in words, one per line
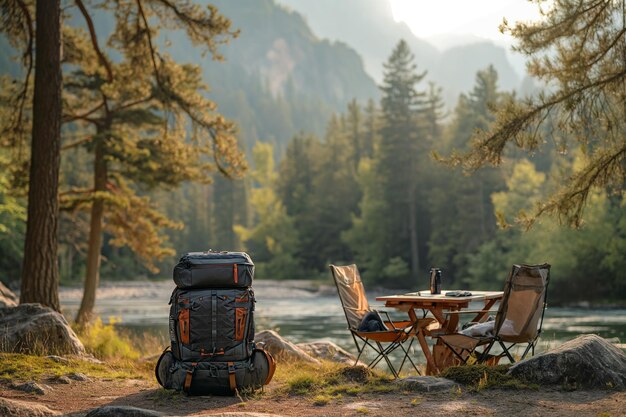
column 132, row 384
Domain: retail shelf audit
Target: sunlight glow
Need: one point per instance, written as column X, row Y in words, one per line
column 479, row 18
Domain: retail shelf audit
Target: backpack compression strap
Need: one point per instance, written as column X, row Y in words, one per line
column 231, row 377
column 189, row 377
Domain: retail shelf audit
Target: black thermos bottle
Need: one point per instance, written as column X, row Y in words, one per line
column 435, row 281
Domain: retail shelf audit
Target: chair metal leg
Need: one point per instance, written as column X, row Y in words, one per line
column 506, row 351
column 530, row 347
column 384, row 355
column 406, row 356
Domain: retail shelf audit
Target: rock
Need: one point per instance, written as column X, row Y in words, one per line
column 122, row 411
column 62, row 379
column 329, row 351
column 281, row 349
column 87, row 358
column 58, row 359
column 15, row 408
column 7, row 297
column 77, row 376
column 31, row 388
column 427, row 383
column 588, row 361
column 34, row 329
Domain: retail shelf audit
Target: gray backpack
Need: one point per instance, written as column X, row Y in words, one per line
column 211, row 328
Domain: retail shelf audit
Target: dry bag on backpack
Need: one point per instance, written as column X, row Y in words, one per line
column 211, row 327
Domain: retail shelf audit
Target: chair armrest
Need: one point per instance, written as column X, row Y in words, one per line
column 388, row 318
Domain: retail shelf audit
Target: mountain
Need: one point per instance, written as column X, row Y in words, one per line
column 365, row 25
column 278, row 77
column 456, row 68
column 369, row 27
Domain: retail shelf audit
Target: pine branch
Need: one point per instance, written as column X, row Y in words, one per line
column 94, row 40
column 153, row 53
column 77, row 143
column 133, row 103
column 28, row 58
column 574, row 195
column 67, row 118
column 490, row 148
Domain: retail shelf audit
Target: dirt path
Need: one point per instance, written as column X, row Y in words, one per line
column 77, row 398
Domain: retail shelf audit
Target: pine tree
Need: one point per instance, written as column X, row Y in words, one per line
column 138, row 112
column 402, row 144
column 461, row 210
column 577, row 48
column 35, row 30
column 273, row 240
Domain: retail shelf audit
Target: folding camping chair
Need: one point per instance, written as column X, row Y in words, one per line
column 518, row 320
column 382, row 342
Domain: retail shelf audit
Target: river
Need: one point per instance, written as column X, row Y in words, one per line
column 302, row 311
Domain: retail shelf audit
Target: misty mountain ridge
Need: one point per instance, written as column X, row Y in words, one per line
column 296, row 62
column 369, row 27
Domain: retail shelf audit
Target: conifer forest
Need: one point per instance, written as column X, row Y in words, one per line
column 230, row 125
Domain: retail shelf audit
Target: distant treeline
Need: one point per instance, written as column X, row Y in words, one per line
column 372, row 192
column 383, row 188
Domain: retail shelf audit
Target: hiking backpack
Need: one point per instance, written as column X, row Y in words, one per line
column 211, row 327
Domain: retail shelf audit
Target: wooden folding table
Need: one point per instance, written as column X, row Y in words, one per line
column 445, row 309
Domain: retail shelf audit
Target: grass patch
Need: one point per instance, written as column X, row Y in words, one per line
column 21, row 367
column 105, row 342
column 164, row 396
column 321, row 400
column 479, row 377
column 416, row 401
column 330, row 381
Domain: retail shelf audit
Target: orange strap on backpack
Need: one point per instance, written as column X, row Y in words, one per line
column 189, row 377
column 231, row 376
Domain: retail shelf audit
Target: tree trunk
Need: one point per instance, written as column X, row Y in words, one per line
column 415, row 259
column 92, row 277
column 40, row 270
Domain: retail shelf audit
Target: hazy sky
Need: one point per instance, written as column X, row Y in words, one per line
column 454, row 18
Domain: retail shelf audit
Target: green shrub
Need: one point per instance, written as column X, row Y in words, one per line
column 104, row 341
column 480, row 377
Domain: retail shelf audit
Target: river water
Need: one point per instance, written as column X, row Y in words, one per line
column 302, row 311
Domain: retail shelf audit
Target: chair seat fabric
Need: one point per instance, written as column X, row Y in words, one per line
column 518, row 320
column 389, row 335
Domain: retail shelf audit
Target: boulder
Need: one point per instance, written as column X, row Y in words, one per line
column 426, row 384
column 34, row 329
column 329, row 351
column 588, row 361
column 122, row 411
column 60, row 379
column 31, row 388
column 58, row 359
column 77, row 376
column 281, row 349
column 15, row 408
column 7, row 297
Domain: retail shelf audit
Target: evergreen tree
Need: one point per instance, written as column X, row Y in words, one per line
column 35, row 29
column 578, row 49
column 273, row 240
column 461, row 210
column 371, row 127
column 139, row 111
column 396, row 170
